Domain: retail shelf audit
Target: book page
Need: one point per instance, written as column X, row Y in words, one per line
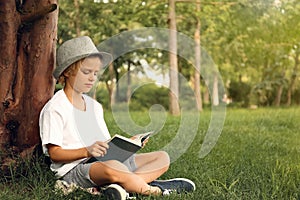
column 133, row 141
column 142, row 137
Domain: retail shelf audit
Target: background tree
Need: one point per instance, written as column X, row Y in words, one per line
column 197, row 38
column 173, row 63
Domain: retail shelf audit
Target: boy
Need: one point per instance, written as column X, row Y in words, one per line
column 69, row 142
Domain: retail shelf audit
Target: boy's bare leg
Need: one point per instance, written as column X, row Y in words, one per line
column 151, row 165
column 112, row 171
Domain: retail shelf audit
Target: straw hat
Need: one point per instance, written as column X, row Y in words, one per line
column 75, row 49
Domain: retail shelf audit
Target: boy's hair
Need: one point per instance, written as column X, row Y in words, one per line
column 71, row 70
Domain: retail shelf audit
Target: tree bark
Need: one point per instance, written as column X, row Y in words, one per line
column 117, row 95
column 206, row 99
column 77, row 18
column 279, row 92
column 293, row 80
column 173, row 71
column 198, row 61
column 27, row 48
column 278, row 96
column 128, row 92
column 215, row 96
column 110, row 85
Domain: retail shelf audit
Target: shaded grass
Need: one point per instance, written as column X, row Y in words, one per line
column 256, row 157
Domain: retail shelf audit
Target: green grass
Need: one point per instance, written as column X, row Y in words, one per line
column 256, row 157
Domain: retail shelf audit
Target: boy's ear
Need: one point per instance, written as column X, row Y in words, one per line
column 66, row 74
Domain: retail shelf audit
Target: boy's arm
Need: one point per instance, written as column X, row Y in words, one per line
column 60, row 155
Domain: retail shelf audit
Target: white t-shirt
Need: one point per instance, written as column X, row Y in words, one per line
column 63, row 125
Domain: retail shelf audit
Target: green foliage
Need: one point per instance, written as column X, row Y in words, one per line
column 102, row 95
column 141, row 99
column 240, row 93
column 149, row 95
column 257, row 40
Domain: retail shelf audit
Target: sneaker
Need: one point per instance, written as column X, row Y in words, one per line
column 176, row 185
column 114, row 192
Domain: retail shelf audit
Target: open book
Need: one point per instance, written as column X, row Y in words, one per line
column 121, row 148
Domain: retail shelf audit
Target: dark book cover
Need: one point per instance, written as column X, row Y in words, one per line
column 121, row 148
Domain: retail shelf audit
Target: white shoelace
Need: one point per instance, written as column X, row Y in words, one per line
column 167, row 192
column 129, row 197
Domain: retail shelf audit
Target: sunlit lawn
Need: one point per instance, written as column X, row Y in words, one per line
column 256, row 157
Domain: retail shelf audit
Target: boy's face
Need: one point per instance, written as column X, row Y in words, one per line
column 84, row 79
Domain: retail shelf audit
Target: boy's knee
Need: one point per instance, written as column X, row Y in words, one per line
column 113, row 169
column 164, row 156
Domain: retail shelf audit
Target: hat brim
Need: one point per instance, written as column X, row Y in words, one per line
column 106, row 59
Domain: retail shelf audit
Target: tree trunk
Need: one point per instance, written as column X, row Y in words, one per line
column 293, row 80
column 128, row 92
column 198, row 61
column 215, row 96
column 77, row 18
column 117, row 95
column 279, row 92
column 110, row 85
column 173, row 71
column 27, row 48
column 206, row 99
column 278, row 96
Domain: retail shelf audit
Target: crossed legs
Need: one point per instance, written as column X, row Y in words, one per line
column 150, row 166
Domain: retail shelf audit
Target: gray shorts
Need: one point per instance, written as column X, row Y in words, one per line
column 80, row 174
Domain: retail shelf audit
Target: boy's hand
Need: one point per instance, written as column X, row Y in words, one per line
column 98, row 149
column 135, row 137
